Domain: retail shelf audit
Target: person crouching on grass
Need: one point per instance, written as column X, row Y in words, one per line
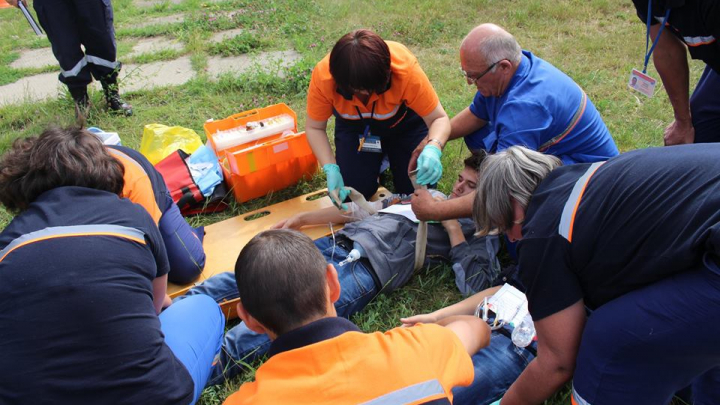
column 287, row 291
column 83, row 276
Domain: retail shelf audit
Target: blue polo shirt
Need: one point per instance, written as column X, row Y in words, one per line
column 77, row 321
column 545, row 110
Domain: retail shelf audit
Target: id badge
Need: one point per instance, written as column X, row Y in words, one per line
column 642, row 83
column 370, row 143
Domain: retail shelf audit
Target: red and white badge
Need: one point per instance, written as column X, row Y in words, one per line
column 642, row 83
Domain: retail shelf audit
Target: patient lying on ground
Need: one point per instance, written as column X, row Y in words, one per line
column 389, row 242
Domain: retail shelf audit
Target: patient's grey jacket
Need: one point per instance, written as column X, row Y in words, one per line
column 389, row 241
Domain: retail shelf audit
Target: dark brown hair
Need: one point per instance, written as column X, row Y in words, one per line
column 360, row 60
column 280, row 275
column 56, row 158
column 475, row 159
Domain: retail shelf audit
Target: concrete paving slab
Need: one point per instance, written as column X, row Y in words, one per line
column 31, row 88
column 217, row 66
column 167, row 19
column 132, row 77
column 153, row 3
column 156, row 74
column 223, row 35
column 154, row 44
column 34, row 58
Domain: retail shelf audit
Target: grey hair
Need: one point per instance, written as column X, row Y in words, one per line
column 498, row 47
column 514, row 173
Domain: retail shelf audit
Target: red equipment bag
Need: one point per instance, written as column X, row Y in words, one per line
column 183, row 189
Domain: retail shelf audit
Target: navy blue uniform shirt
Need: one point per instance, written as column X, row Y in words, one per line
column 642, row 216
column 77, row 321
column 695, row 22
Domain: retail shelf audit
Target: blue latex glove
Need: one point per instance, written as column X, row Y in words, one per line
column 336, row 188
column 429, row 166
column 496, row 402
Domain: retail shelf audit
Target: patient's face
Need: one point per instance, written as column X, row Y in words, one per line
column 466, row 183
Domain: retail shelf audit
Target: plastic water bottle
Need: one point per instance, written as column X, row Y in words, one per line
column 355, row 254
column 524, row 333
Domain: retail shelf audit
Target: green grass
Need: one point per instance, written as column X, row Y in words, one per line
column 597, row 42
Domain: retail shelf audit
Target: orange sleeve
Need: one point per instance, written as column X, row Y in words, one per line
column 446, row 355
column 419, row 92
column 138, row 187
column 319, row 105
column 236, row 398
column 140, row 191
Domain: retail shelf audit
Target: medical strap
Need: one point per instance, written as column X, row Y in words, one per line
column 360, row 201
column 575, row 119
column 421, row 234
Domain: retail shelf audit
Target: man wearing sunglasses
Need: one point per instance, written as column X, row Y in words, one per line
column 520, row 100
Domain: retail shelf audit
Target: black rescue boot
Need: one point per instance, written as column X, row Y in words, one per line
column 82, row 102
column 114, row 102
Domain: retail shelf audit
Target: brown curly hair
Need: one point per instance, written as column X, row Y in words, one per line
column 58, row 157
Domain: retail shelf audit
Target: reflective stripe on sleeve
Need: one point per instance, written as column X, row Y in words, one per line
column 413, row 393
column 75, row 230
column 567, row 219
column 697, row 41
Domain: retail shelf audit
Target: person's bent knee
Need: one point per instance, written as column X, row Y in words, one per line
column 185, row 270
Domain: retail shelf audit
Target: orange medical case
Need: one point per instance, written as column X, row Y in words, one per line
column 256, row 168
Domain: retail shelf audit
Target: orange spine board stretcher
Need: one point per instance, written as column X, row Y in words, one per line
column 225, row 239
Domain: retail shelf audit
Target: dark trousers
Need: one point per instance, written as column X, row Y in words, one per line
column 360, row 169
column 183, row 244
column 71, row 23
column 705, row 107
column 644, row 346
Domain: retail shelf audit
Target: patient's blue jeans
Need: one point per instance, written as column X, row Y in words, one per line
column 241, row 345
column 496, row 368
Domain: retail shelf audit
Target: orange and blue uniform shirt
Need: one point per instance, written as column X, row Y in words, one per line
column 599, row 231
column 77, row 315
column 143, row 184
column 409, row 88
column 330, row 361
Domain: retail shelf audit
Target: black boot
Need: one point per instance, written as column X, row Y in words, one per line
column 82, row 102
column 114, row 102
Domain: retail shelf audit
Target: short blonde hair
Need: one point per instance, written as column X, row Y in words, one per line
column 514, row 173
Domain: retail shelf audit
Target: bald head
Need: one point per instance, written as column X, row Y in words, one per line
column 490, row 43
